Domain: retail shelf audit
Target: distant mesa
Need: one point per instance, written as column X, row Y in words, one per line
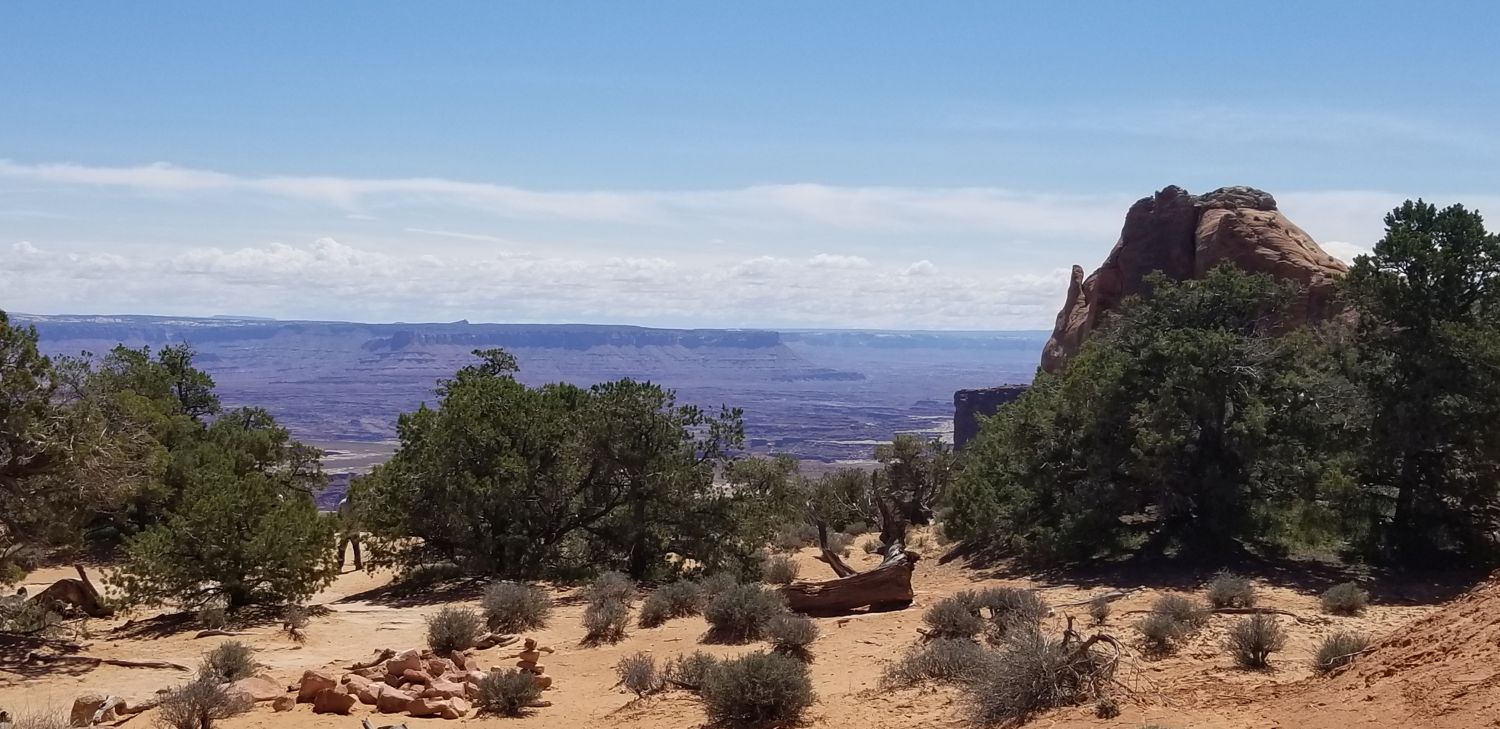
column 1184, row 236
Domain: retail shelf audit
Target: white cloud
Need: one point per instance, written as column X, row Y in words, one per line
column 1343, row 251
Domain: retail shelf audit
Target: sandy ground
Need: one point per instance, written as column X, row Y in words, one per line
column 1198, row 687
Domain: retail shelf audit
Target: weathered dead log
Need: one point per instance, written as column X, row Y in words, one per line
column 886, row 587
column 78, row 595
column 1110, row 596
column 215, row 633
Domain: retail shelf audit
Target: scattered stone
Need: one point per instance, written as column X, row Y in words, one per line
column 392, row 700
column 438, row 666
column 257, row 689
column 404, row 661
column 283, row 703
column 441, row 688
column 83, row 709
column 414, row 676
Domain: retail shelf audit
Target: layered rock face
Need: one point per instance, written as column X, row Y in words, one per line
column 1184, row 236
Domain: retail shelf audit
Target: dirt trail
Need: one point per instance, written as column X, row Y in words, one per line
column 1450, row 674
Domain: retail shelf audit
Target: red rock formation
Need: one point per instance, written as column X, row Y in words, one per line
column 1183, row 236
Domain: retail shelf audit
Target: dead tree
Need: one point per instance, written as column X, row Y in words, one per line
column 75, row 596
column 886, row 587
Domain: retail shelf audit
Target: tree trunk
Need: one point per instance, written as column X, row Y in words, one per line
column 887, row 587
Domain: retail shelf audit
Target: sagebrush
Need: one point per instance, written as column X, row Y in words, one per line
column 227, row 662
column 639, row 674
column 506, row 693
column 741, row 613
column 672, row 600
column 943, row 659
column 512, row 607
column 1229, row 590
column 1252, row 641
column 688, row 671
column 1344, row 599
column 757, row 689
column 199, row 704
column 1338, row 650
column 454, row 629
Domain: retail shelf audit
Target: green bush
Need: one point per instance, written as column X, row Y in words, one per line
column 1254, row 639
column 741, row 613
column 672, row 600
column 454, row 629
column 506, row 693
column 227, row 662
column 604, row 621
column 944, row 659
column 639, row 674
column 792, row 634
column 716, row 583
column 199, row 704
column 1345, row 599
column 1229, row 590
column 688, row 671
column 511, row 607
column 955, row 616
column 757, row 689
column 1338, row 650
column 780, row 570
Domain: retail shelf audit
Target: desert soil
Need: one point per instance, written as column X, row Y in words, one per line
column 1438, row 666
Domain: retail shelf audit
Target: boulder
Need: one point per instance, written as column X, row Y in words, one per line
column 454, row 708
column 283, row 703
column 84, row 708
column 441, row 688
column 414, row 676
column 391, row 700
column 336, row 700
column 313, row 683
column 257, row 689
column 404, row 661
column 439, row 666
column 1184, row 236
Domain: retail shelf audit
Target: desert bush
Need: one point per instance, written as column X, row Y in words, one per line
column 780, row 570
column 212, row 616
column 1254, row 639
column 716, row 583
column 511, row 607
column 839, row 543
column 294, row 621
column 1161, row 631
column 639, row 674
column 28, row 618
column 506, row 693
column 1339, row 650
column 795, row 536
column 1230, row 590
column 35, row 720
column 1008, row 606
column 672, row 600
column 1344, row 599
column 955, row 616
column 199, row 704
column 688, row 671
column 872, row 546
column 454, row 629
column 228, row 661
column 757, row 689
column 611, row 586
column 1032, row 672
column 1106, row 708
column 944, row 659
column 741, row 613
column 1184, row 610
column 422, row 577
column 791, row 634
column 1099, row 609
column 604, row 621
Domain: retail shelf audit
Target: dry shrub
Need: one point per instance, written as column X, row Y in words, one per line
column 454, row 629
column 1185, row 610
column 639, row 674
column 604, row 621
column 1099, row 609
column 506, row 693
column 872, row 546
column 512, row 607
column 688, row 671
column 672, row 600
column 741, row 613
column 839, row 543
column 1229, row 590
column 1254, row 639
column 228, row 662
column 424, row 577
column 1031, row 672
column 198, row 705
column 780, row 570
column 1345, row 599
column 35, row 720
column 1008, row 607
column 294, row 622
column 757, row 689
column 212, row 616
column 611, row 586
column 795, row 536
column 28, row 618
column 1161, row 632
column 1339, row 650
column 944, row 659
column 716, row 583
column 792, row 634
column 955, row 616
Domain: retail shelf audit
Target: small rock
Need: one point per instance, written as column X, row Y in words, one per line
column 313, row 683
column 391, row 700
column 83, row 709
column 439, row 666
column 283, row 703
column 443, row 689
column 257, row 689
column 404, row 661
column 415, row 676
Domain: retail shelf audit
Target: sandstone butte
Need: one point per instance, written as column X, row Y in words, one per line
column 1184, row 236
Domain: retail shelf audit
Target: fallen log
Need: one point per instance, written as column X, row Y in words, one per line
column 1110, row 596
column 886, row 587
column 214, row 633
column 78, row 595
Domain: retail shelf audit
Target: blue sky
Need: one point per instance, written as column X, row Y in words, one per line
column 903, row 165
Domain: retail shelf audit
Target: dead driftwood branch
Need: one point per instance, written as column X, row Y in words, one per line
column 212, row 633
column 1110, row 596
column 885, row 587
column 1301, row 619
column 70, row 596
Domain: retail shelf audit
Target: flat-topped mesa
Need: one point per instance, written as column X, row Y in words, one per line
column 1184, row 236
